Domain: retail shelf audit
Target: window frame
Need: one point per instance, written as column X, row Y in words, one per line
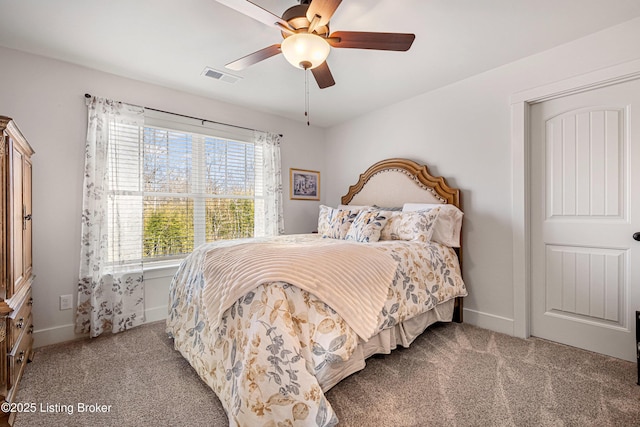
column 199, row 131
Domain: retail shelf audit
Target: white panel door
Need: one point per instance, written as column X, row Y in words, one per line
column 585, row 208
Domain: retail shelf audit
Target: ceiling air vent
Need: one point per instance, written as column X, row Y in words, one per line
column 220, row 75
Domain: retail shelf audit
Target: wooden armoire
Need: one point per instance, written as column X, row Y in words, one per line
column 16, row 272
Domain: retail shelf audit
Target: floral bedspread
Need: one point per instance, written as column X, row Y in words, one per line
column 263, row 359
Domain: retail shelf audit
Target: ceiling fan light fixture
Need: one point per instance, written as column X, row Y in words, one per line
column 305, row 50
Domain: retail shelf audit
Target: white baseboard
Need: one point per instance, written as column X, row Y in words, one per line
column 65, row 333
column 55, row 335
column 488, row 321
column 156, row 313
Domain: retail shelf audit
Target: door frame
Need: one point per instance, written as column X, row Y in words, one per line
column 521, row 173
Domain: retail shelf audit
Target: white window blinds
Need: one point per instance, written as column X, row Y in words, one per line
column 195, row 188
column 124, row 193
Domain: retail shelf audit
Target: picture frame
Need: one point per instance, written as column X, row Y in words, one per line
column 304, row 184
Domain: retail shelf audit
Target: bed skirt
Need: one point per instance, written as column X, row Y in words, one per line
column 402, row 334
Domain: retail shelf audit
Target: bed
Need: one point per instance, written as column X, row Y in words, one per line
column 271, row 339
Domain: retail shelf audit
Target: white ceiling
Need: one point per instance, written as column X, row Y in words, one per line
column 169, row 42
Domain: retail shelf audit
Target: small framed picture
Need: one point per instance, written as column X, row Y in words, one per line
column 304, row 184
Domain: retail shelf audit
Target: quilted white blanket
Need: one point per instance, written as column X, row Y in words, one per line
column 352, row 278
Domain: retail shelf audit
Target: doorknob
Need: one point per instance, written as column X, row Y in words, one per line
column 636, row 235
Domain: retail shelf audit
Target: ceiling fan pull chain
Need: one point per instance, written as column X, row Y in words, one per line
column 306, row 94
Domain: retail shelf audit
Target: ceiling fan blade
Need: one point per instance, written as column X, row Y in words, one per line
column 323, row 76
column 254, row 11
column 254, row 58
column 366, row 40
column 322, row 8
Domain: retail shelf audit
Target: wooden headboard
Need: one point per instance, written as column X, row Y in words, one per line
column 394, row 182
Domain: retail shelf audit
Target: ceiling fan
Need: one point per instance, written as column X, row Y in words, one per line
column 307, row 40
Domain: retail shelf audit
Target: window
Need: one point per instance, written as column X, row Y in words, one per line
column 196, row 187
column 154, row 188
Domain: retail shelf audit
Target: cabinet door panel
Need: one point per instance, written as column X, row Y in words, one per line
column 17, row 207
column 26, row 195
column 4, row 236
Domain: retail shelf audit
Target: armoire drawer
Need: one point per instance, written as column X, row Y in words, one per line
column 17, row 359
column 17, row 321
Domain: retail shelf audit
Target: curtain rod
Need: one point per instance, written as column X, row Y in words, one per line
column 86, row 95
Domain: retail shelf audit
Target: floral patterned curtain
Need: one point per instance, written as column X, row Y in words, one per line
column 269, row 216
column 110, row 288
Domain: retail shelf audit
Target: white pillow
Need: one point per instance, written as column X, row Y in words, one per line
column 448, row 224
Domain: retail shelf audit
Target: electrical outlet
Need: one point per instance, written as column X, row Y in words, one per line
column 66, row 302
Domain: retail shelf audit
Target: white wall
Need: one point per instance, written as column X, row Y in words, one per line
column 46, row 98
column 463, row 132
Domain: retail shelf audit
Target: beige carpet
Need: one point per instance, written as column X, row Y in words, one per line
column 453, row 375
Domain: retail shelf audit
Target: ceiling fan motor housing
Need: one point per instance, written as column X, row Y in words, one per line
column 296, row 16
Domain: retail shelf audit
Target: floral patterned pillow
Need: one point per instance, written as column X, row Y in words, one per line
column 323, row 219
column 418, row 225
column 335, row 223
column 389, row 231
column 367, row 226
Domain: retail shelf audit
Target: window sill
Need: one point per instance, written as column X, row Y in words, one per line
column 161, row 269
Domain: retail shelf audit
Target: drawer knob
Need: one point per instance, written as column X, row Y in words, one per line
column 30, row 302
column 20, row 359
column 30, row 331
column 20, row 323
